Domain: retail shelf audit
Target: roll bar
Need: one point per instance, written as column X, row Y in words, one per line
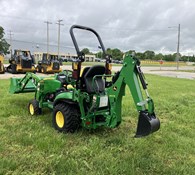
column 88, row 29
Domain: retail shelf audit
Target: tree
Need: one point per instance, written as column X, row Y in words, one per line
column 140, row 55
column 99, row 54
column 149, row 55
column 169, row 57
column 109, row 51
column 159, row 56
column 117, row 54
column 131, row 52
column 4, row 46
column 85, row 51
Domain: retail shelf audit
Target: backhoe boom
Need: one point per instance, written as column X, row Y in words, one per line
column 130, row 75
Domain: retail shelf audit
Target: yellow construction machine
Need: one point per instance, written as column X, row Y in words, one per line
column 22, row 61
column 49, row 64
column 2, row 68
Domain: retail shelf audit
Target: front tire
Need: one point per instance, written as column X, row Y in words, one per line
column 65, row 118
column 38, row 68
column 13, row 69
column 33, row 107
column 44, row 70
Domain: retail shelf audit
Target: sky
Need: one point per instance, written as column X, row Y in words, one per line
column 138, row 25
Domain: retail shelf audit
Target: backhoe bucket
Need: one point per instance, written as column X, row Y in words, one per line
column 147, row 124
column 17, row 87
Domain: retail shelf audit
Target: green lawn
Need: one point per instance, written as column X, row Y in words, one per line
column 30, row 145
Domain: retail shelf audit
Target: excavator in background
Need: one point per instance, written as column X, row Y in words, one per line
column 2, row 68
column 22, row 61
column 90, row 97
column 49, row 64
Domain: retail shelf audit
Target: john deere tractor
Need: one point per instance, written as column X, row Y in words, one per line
column 90, row 97
column 2, row 68
column 49, row 64
column 22, row 61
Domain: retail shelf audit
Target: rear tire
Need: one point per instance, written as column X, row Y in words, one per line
column 44, row 70
column 33, row 107
column 13, row 69
column 38, row 68
column 3, row 70
column 65, row 118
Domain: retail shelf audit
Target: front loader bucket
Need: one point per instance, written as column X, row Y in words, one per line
column 17, row 87
column 147, row 124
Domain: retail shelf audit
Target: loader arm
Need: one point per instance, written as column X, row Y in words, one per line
column 132, row 76
column 26, row 84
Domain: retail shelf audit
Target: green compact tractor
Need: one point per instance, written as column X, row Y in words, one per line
column 90, row 97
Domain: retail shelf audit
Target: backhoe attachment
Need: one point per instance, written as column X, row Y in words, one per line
column 131, row 76
column 147, row 121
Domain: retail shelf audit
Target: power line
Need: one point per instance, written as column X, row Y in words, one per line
column 45, row 44
column 27, row 19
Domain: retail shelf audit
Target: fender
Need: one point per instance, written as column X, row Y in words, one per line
column 66, row 97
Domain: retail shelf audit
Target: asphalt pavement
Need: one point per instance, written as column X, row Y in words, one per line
column 187, row 72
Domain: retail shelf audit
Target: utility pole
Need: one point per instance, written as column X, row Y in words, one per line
column 47, row 22
column 10, row 37
column 178, row 42
column 59, row 24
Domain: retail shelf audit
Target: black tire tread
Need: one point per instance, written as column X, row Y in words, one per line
column 72, row 118
column 44, row 70
column 35, row 104
column 38, row 68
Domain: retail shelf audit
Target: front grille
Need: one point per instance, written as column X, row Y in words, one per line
column 26, row 63
column 56, row 66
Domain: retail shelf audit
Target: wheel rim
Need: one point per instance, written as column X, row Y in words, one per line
column 59, row 119
column 31, row 109
column 42, row 70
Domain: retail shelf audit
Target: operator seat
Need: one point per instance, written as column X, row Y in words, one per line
column 62, row 78
column 99, row 83
column 83, row 72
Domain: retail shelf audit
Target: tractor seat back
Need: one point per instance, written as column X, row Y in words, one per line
column 99, row 84
column 83, row 72
column 62, row 78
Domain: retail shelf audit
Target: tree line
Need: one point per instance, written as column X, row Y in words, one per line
column 117, row 54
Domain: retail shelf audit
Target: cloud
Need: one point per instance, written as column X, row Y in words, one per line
column 126, row 24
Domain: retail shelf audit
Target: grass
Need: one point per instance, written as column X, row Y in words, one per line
column 30, row 145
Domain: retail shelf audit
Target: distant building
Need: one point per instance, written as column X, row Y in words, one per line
column 68, row 56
